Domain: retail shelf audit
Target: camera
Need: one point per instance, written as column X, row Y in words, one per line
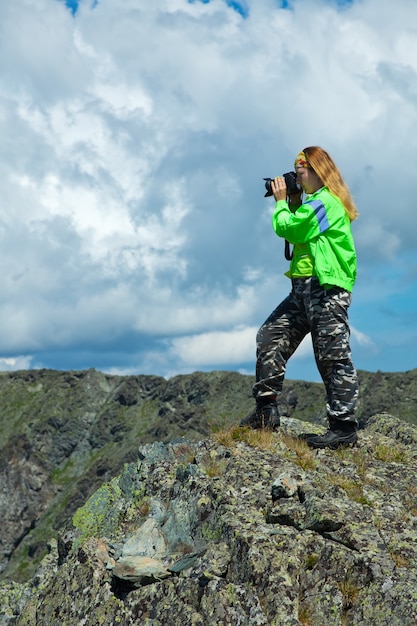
column 290, row 180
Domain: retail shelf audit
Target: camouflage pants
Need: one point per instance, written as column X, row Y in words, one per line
column 323, row 312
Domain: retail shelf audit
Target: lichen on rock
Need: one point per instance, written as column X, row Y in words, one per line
column 248, row 533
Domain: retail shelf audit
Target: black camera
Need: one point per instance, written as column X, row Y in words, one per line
column 290, row 180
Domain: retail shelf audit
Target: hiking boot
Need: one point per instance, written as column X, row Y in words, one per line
column 340, row 434
column 264, row 416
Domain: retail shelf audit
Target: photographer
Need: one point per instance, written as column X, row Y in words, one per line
column 323, row 272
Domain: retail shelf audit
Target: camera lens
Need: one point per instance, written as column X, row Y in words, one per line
column 268, row 187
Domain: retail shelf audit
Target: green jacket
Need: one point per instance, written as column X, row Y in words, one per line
column 321, row 229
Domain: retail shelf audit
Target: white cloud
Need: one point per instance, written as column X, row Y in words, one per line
column 214, row 348
column 134, row 141
column 224, row 348
column 15, row 363
column 362, row 340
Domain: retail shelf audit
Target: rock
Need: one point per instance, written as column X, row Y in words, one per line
column 65, row 434
column 140, row 569
column 241, row 529
column 147, row 540
column 286, row 486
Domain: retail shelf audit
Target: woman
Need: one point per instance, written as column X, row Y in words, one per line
column 323, row 272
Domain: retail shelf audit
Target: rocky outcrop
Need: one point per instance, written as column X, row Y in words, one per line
column 64, row 434
column 245, row 528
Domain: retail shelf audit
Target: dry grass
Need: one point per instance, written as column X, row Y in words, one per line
column 349, row 590
column 400, row 560
column 304, row 617
column 359, row 457
column 263, row 439
column 353, row 488
column 410, row 501
column 185, row 452
column 391, row 453
column 305, row 458
column 214, row 467
column 144, row 507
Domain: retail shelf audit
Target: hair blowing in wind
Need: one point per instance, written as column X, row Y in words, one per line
column 323, row 164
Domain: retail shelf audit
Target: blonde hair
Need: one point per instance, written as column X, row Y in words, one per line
column 324, row 166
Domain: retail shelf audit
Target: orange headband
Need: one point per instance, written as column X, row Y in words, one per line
column 301, row 160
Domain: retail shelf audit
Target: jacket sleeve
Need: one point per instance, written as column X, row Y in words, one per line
column 307, row 223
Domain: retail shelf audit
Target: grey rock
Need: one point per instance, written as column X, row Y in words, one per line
column 148, row 540
column 335, row 545
column 64, row 434
column 286, row 485
column 139, row 569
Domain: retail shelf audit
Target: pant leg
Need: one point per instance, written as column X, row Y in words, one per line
column 331, row 343
column 276, row 341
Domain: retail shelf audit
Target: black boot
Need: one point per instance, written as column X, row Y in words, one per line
column 264, row 416
column 340, row 433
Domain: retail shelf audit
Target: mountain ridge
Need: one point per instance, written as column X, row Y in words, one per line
column 65, row 433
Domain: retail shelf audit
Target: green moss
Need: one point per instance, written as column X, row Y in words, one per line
column 23, row 564
column 101, row 513
column 63, row 474
column 231, row 594
column 311, row 561
column 211, row 533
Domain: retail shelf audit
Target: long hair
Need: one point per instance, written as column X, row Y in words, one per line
column 327, row 170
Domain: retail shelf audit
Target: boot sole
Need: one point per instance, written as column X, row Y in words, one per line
column 333, row 445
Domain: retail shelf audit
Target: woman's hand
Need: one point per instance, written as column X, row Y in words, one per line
column 279, row 188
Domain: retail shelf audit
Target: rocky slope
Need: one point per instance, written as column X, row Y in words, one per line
column 245, row 528
column 64, row 434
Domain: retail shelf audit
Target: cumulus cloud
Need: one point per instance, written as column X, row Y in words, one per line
column 216, row 348
column 134, row 232
column 16, row 363
column 219, row 349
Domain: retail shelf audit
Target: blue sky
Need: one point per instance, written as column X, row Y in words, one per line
column 135, row 136
column 72, row 5
column 240, row 7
